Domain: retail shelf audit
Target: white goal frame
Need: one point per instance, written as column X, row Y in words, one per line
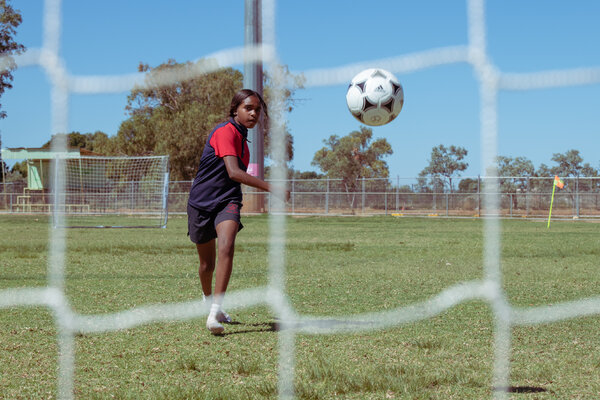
column 115, row 192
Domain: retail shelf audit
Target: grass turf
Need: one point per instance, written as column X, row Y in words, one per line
column 334, row 266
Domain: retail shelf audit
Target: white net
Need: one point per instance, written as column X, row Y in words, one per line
column 98, row 192
column 116, row 191
column 488, row 289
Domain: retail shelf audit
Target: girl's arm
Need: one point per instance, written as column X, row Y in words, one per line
column 239, row 175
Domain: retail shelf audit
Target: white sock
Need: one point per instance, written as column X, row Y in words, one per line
column 215, row 308
column 218, row 299
column 217, row 303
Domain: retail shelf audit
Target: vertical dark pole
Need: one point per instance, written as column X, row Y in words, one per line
column 527, row 198
column 253, row 79
column 479, row 195
column 577, row 200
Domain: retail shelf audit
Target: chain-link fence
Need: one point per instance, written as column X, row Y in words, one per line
column 527, row 197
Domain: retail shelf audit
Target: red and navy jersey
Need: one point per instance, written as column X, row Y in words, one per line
column 212, row 186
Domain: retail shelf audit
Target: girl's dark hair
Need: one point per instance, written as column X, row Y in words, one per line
column 243, row 95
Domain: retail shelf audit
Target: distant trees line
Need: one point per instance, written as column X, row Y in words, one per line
column 357, row 155
column 446, row 164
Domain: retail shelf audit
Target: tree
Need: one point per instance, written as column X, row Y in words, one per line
column 405, row 189
column 3, row 165
column 353, row 157
column 296, row 174
column 18, row 172
column 305, row 175
column 570, row 164
column 518, row 167
column 468, row 185
column 514, row 175
column 543, row 171
column 175, row 117
column 97, row 142
column 10, row 19
column 444, row 164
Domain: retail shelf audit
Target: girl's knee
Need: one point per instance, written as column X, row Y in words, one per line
column 206, row 267
column 226, row 248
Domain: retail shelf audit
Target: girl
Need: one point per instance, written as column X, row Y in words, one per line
column 216, row 199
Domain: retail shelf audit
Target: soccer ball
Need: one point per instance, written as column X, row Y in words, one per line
column 375, row 97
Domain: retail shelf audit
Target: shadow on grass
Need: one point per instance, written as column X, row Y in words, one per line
column 521, row 389
column 275, row 326
column 253, row 328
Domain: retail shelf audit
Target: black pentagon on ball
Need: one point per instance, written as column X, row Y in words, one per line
column 368, row 104
column 388, row 105
column 361, row 86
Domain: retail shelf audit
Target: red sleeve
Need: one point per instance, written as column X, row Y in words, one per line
column 226, row 142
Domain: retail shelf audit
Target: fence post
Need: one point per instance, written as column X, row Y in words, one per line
column 446, row 204
column 385, row 194
column 4, row 187
column 292, row 197
column 131, row 195
column 269, row 202
column 363, row 194
column 397, row 193
column 527, row 197
column 327, row 198
column 479, row 195
column 577, row 195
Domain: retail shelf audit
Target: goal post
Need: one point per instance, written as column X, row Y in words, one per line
column 116, row 192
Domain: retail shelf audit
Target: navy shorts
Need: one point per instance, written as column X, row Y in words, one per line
column 202, row 224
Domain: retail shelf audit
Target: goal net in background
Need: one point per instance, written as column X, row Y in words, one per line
column 116, row 191
column 490, row 81
column 97, row 192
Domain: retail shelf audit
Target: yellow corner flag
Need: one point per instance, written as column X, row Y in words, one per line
column 557, row 182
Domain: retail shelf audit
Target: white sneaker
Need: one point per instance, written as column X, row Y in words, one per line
column 223, row 317
column 214, row 326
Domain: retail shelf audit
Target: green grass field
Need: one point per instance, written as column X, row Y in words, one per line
column 335, row 266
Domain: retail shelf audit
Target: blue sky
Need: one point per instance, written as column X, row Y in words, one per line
column 441, row 103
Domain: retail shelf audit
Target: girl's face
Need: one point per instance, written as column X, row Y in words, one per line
column 248, row 112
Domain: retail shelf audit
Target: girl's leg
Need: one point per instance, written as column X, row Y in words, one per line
column 206, row 254
column 226, row 233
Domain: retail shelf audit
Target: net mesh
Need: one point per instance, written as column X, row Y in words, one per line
column 488, row 289
column 116, row 191
column 98, row 191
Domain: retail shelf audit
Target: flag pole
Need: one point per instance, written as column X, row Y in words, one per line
column 551, row 202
